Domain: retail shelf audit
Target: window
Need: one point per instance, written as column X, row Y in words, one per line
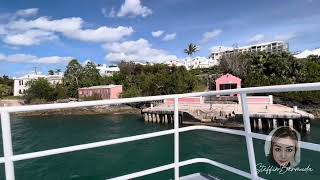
column 228, row 86
column 20, row 92
column 20, row 82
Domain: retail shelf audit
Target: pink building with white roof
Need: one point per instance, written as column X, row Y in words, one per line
column 228, row 81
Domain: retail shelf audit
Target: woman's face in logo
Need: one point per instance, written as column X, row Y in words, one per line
column 283, row 150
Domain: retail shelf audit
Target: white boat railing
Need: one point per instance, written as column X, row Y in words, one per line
column 9, row 158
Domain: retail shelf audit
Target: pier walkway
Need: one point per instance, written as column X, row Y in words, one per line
column 262, row 116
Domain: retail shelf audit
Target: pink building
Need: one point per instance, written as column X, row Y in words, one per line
column 228, row 81
column 105, row 92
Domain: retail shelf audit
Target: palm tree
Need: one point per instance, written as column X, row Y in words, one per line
column 191, row 49
column 50, row 72
column 58, row 71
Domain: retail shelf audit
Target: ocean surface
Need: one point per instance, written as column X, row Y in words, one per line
column 41, row 133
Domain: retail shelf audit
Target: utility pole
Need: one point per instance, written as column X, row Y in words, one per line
column 35, row 70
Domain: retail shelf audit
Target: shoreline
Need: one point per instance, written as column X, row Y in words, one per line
column 126, row 109
column 94, row 110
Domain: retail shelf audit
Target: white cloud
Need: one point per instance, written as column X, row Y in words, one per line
column 257, row 38
column 133, row 8
column 2, row 30
column 169, row 37
column 140, row 50
column 27, row 12
column 102, row 34
column 112, row 13
column 44, row 23
column 28, row 38
column 208, row 36
column 2, row 57
column 53, row 60
column 157, row 33
column 27, row 58
column 220, row 48
column 72, row 28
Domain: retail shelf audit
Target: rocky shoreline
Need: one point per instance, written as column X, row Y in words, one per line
column 106, row 109
column 313, row 108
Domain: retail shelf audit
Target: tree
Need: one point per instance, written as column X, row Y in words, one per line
column 191, row 49
column 157, row 79
column 60, row 91
column 39, row 89
column 58, row 71
column 51, row 72
column 90, row 76
column 236, row 64
column 6, row 81
column 5, row 90
column 72, row 78
column 314, row 58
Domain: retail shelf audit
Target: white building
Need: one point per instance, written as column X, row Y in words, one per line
column 105, row 70
column 199, row 62
column 306, row 53
column 20, row 84
column 173, row 63
column 272, row 47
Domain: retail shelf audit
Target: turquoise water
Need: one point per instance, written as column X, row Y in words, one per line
column 41, row 133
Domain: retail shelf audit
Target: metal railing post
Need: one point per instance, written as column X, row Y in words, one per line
column 176, row 139
column 7, row 145
column 249, row 142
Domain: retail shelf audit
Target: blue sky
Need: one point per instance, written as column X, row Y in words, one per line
column 46, row 34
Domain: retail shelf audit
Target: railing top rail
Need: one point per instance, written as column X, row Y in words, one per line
column 263, row 89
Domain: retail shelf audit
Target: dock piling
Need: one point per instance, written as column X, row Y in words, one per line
column 149, row 117
column 308, row 128
column 158, row 118
column 260, row 124
column 154, row 119
column 145, row 117
column 166, row 118
column 275, row 123
column 290, row 123
column 269, row 124
column 254, row 124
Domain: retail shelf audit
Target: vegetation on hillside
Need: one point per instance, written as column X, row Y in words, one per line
column 150, row 80
column 255, row 69
column 6, row 86
column 265, row 69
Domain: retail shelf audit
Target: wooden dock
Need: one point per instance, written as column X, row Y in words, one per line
column 262, row 116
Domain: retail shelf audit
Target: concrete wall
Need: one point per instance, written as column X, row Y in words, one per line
column 189, row 100
column 115, row 92
column 104, row 93
column 259, row 99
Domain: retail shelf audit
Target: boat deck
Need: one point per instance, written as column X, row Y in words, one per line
column 198, row 176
